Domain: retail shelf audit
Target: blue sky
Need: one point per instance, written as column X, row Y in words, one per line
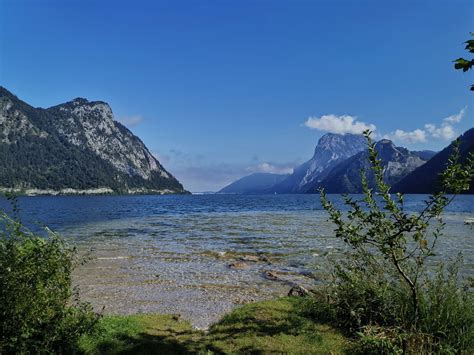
column 220, row 89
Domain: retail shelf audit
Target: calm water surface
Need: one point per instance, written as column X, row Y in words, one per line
column 201, row 255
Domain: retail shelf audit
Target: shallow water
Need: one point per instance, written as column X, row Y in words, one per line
column 173, row 254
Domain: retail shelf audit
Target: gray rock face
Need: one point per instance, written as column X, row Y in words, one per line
column 330, row 150
column 92, row 125
column 397, row 162
column 76, row 146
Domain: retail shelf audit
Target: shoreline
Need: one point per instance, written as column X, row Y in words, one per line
column 100, row 191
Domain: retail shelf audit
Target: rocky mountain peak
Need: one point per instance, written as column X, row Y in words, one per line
column 79, row 101
column 388, row 151
column 331, row 149
column 333, row 140
column 78, row 129
column 385, row 141
column 83, row 108
column 396, row 163
column 332, row 146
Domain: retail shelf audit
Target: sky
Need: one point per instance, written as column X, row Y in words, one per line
column 221, row 89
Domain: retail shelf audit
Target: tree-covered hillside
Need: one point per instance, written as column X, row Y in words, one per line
column 76, row 145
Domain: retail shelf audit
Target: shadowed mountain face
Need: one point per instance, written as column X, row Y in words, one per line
column 397, row 162
column 76, row 145
column 330, row 150
column 253, row 184
column 425, row 179
column 425, row 154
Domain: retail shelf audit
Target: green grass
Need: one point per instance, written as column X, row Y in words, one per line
column 276, row 326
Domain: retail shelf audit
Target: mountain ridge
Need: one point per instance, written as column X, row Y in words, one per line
column 74, row 146
column 330, row 150
column 397, row 162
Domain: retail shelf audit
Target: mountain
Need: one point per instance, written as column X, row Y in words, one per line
column 253, row 184
column 397, row 162
column 330, row 150
column 425, row 154
column 75, row 147
column 425, row 179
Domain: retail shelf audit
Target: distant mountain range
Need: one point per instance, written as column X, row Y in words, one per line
column 75, row 147
column 338, row 160
column 256, row 183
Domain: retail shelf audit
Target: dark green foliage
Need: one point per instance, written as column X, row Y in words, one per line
column 39, row 310
column 384, row 290
column 466, row 64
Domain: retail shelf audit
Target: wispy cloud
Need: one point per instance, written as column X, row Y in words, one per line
column 271, row 168
column 198, row 174
column 446, row 131
column 207, row 177
column 131, row 121
column 338, row 124
column 416, row 136
column 457, row 117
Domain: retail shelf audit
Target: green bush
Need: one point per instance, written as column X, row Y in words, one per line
column 384, row 290
column 39, row 310
column 371, row 305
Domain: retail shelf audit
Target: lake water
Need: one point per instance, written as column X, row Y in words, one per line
column 201, row 255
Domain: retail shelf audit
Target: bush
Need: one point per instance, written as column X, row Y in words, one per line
column 384, row 292
column 39, row 310
column 371, row 305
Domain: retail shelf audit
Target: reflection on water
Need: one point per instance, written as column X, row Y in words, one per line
column 199, row 256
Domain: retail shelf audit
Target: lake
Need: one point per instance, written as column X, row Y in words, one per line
column 201, row 255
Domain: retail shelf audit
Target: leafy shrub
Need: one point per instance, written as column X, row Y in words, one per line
column 384, row 291
column 39, row 310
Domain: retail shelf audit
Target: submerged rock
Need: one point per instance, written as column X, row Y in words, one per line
column 238, row 265
column 298, row 291
column 270, row 275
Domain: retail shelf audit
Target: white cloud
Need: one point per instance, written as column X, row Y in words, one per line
column 131, row 121
column 270, row 168
column 416, row 136
column 338, row 124
column 457, row 117
column 445, row 132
